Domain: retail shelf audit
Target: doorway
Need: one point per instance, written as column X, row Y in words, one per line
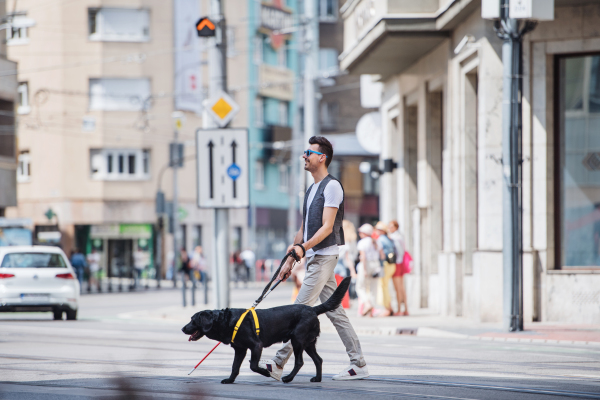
column 120, row 258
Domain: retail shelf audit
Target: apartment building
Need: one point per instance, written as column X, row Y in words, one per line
column 8, row 142
column 98, row 82
column 441, row 114
column 272, row 95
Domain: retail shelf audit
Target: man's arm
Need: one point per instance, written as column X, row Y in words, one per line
column 287, row 267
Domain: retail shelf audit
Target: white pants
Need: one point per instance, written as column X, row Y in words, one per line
column 366, row 287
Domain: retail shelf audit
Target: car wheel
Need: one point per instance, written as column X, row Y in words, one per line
column 58, row 315
column 71, row 315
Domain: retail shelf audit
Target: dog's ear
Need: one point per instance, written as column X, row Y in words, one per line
column 205, row 320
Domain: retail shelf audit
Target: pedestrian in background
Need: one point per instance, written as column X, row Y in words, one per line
column 248, row 258
column 139, row 264
column 78, row 263
column 387, row 252
column 239, row 267
column 346, row 266
column 93, row 261
column 401, row 269
column 199, row 264
column 368, row 270
column 186, row 268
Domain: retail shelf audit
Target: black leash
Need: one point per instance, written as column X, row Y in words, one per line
column 268, row 289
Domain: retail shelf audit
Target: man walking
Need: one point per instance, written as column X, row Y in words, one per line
column 318, row 239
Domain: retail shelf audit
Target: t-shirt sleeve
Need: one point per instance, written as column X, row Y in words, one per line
column 334, row 195
column 360, row 246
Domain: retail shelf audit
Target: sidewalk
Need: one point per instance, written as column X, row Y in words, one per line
column 421, row 322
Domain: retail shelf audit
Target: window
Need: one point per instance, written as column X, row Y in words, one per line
column 23, row 92
column 33, row 260
column 282, row 56
column 283, row 113
column 120, row 164
column 113, row 94
column 259, row 172
column 329, row 115
column 284, row 178
column 182, row 236
column 328, row 10
column 146, row 162
column 16, row 36
column 119, row 24
column 24, row 167
column 7, row 129
column 328, row 61
column 258, row 50
column 197, row 236
column 577, row 150
column 259, row 112
column 371, row 180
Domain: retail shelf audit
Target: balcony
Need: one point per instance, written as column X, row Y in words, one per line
column 386, row 37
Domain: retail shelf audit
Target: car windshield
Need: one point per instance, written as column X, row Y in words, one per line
column 33, row 260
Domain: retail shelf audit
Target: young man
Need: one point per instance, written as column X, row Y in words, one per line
column 320, row 235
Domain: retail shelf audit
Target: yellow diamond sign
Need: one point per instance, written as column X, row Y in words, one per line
column 222, row 108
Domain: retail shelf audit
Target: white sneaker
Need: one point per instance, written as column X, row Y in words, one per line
column 352, row 372
column 272, row 367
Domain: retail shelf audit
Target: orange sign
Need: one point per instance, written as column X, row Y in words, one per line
column 205, row 27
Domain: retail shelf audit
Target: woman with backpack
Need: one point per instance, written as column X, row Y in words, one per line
column 387, row 251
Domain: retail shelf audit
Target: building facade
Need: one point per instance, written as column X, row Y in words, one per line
column 272, row 98
column 340, row 108
column 8, row 138
column 441, row 114
column 99, row 80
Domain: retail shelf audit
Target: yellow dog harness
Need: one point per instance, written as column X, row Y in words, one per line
column 239, row 323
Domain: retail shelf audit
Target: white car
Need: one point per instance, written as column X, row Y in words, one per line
column 38, row 278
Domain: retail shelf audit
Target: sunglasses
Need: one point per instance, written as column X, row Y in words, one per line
column 309, row 152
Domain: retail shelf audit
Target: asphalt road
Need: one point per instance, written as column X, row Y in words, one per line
column 123, row 346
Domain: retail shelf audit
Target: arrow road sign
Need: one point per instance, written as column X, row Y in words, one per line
column 205, row 27
column 222, row 168
column 233, row 171
column 211, row 146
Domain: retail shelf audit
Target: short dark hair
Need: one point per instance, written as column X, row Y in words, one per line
column 325, row 147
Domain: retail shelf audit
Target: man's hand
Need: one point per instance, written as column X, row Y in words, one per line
column 286, row 270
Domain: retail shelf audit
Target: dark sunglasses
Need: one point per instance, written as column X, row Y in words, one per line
column 309, row 152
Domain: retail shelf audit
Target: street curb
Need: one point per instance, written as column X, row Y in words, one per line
column 439, row 333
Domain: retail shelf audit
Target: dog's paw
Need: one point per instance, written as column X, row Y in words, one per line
column 287, row 379
column 315, row 379
column 227, row 381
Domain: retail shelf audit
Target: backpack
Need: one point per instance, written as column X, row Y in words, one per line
column 388, row 249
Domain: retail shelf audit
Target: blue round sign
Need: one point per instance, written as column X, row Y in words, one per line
column 234, row 171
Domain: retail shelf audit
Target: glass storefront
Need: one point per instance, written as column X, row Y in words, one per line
column 578, row 165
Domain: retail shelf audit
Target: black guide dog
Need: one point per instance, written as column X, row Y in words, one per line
column 297, row 322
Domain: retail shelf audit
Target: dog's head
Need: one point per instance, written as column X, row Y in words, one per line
column 200, row 324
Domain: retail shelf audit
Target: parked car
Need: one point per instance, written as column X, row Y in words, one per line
column 38, row 278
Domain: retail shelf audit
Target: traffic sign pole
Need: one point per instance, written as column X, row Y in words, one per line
column 218, row 84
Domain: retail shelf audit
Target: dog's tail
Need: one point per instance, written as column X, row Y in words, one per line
column 336, row 298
